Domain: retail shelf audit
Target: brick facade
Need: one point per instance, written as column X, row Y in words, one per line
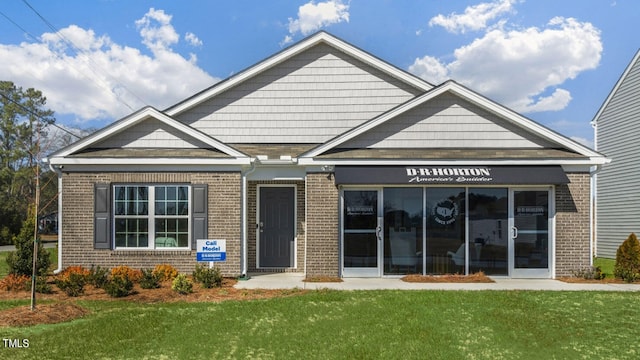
column 572, row 224
column 224, row 192
column 317, row 223
column 323, row 242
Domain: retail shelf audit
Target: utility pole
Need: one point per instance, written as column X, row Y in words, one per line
column 34, row 272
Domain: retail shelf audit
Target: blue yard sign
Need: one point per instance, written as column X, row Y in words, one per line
column 211, row 250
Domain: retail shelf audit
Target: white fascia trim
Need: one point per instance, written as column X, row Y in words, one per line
column 148, row 161
column 373, row 162
column 470, row 96
column 291, row 52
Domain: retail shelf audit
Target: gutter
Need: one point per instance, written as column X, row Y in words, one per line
column 245, row 252
column 58, row 171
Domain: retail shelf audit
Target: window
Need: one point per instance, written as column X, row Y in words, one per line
column 165, row 221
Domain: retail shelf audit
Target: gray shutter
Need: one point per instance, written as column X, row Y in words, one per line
column 199, row 214
column 102, row 223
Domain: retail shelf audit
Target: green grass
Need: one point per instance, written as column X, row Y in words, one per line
column 350, row 325
column 4, row 268
column 606, row 265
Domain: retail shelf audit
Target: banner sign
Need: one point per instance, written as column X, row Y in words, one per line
column 459, row 175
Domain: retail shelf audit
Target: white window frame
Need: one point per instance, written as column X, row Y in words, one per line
column 151, row 216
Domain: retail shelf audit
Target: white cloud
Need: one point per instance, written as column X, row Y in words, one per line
column 429, row 68
column 313, row 16
column 517, row 67
column 192, row 39
column 474, row 17
column 97, row 81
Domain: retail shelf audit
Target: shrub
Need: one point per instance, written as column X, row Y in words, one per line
column 20, row 261
column 628, row 260
column 98, row 276
column 150, row 279
column 182, row 285
column 72, row 283
column 208, row 277
column 13, row 282
column 75, row 270
column 165, row 272
column 125, row 271
column 590, row 273
column 42, row 286
column 119, row 286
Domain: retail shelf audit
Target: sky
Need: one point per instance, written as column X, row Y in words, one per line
column 96, row 61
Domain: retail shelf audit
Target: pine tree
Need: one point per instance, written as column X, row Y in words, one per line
column 21, row 261
column 628, row 260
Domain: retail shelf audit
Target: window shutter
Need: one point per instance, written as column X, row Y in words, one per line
column 199, row 214
column 102, row 223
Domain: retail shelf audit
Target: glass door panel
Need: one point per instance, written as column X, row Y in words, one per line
column 445, row 247
column 402, row 231
column 360, row 233
column 489, row 230
column 530, row 233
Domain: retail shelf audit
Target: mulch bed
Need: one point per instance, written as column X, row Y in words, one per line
column 472, row 278
column 58, row 307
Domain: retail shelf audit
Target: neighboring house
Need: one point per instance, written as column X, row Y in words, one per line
column 617, row 126
column 325, row 160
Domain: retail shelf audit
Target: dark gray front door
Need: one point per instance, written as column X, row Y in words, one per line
column 276, row 226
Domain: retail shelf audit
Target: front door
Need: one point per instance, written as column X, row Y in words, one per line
column 361, row 233
column 531, row 234
column 276, row 227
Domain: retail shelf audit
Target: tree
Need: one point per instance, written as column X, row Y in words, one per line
column 627, row 265
column 23, row 121
column 21, row 261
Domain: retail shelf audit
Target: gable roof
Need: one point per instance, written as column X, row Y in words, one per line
column 473, row 97
column 135, row 119
column 635, row 61
column 305, row 44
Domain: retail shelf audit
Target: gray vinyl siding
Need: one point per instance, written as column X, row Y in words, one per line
column 447, row 122
column 618, row 183
column 151, row 134
column 323, row 88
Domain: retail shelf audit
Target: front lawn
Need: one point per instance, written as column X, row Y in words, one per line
column 349, row 324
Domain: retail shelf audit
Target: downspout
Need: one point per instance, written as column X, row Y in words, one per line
column 593, row 201
column 243, row 199
column 59, row 172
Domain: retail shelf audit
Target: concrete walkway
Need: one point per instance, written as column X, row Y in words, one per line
column 294, row 280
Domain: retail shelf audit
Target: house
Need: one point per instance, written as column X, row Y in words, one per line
column 617, row 125
column 325, row 160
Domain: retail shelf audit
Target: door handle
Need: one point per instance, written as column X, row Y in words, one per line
column 260, row 226
column 514, row 232
column 378, row 230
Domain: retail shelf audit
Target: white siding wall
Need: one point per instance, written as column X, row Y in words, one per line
column 446, row 122
column 618, row 184
column 328, row 91
column 151, row 134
